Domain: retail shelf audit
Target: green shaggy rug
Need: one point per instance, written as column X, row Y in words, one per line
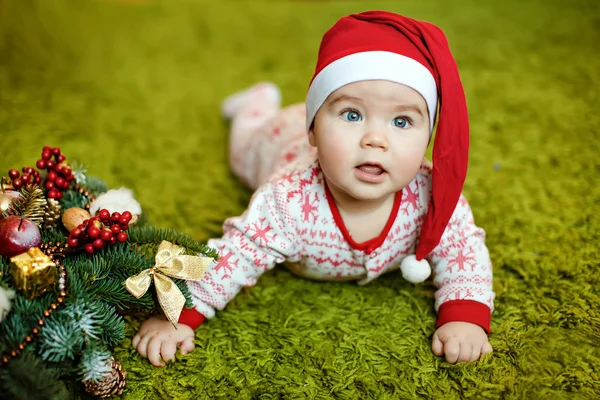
column 133, row 89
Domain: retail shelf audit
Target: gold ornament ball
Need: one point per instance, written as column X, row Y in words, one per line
column 6, row 199
column 73, row 217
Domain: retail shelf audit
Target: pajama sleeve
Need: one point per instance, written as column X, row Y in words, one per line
column 463, row 272
column 253, row 243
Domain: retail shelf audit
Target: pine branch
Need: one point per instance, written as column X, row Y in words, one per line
column 72, row 198
column 150, row 234
column 84, row 317
column 61, row 339
column 95, row 362
column 95, row 186
column 112, row 325
column 27, row 377
column 4, row 272
column 22, row 317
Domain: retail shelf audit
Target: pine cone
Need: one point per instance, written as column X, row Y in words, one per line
column 112, row 385
column 51, row 214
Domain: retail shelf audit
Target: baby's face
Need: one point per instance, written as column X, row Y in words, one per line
column 371, row 137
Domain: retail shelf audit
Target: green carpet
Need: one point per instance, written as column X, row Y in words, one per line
column 134, row 91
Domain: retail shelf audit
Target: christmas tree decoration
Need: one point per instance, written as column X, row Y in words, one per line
column 6, row 200
column 6, row 295
column 169, row 261
column 51, row 214
column 31, row 205
column 105, row 228
column 74, row 216
column 63, row 270
column 7, row 197
column 17, row 235
column 34, row 273
column 117, row 200
column 111, row 385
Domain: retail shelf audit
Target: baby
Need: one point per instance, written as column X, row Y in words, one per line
column 343, row 191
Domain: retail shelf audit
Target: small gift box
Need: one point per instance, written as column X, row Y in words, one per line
column 33, row 272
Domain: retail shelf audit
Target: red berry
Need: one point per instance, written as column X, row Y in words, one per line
column 72, row 242
column 98, row 243
column 115, row 216
column 123, row 220
column 61, row 158
column 53, row 194
column 104, row 214
column 121, row 237
column 60, row 182
column 58, row 194
column 124, row 227
column 18, row 183
column 127, row 215
column 115, row 229
column 55, row 151
column 26, row 177
column 70, row 177
column 47, row 148
column 52, row 176
column 75, row 233
column 58, row 169
column 46, row 155
column 113, row 240
column 41, row 164
column 50, row 164
column 13, row 174
column 49, row 185
column 89, row 248
column 38, row 179
column 93, row 232
column 106, row 235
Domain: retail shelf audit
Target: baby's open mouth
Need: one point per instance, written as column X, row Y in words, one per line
column 371, row 168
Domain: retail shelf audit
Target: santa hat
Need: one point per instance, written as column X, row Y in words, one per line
column 380, row 45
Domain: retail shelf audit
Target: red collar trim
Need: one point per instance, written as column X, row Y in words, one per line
column 370, row 244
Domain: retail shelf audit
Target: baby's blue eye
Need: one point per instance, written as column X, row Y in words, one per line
column 400, row 122
column 351, row 116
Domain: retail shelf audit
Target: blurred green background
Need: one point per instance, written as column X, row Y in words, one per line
column 133, row 88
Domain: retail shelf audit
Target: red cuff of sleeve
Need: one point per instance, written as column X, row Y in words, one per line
column 465, row 311
column 191, row 318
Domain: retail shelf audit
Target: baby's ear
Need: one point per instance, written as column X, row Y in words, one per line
column 311, row 136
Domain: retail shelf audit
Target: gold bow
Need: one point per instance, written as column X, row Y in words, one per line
column 169, row 261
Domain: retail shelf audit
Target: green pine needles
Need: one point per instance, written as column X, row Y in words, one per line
column 75, row 342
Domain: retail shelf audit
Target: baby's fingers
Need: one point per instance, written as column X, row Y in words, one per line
column 187, row 346
column 167, row 350
column 436, row 345
column 136, row 339
column 154, row 351
column 486, row 349
column 142, row 345
column 452, row 350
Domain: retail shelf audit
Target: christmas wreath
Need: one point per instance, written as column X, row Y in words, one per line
column 75, row 258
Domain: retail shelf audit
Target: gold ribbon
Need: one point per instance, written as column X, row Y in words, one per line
column 169, row 261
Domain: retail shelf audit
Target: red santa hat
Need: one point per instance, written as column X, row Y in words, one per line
column 380, row 45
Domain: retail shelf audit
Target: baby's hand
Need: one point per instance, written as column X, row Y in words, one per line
column 460, row 342
column 158, row 338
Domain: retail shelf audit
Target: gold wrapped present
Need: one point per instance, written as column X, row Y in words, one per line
column 34, row 273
